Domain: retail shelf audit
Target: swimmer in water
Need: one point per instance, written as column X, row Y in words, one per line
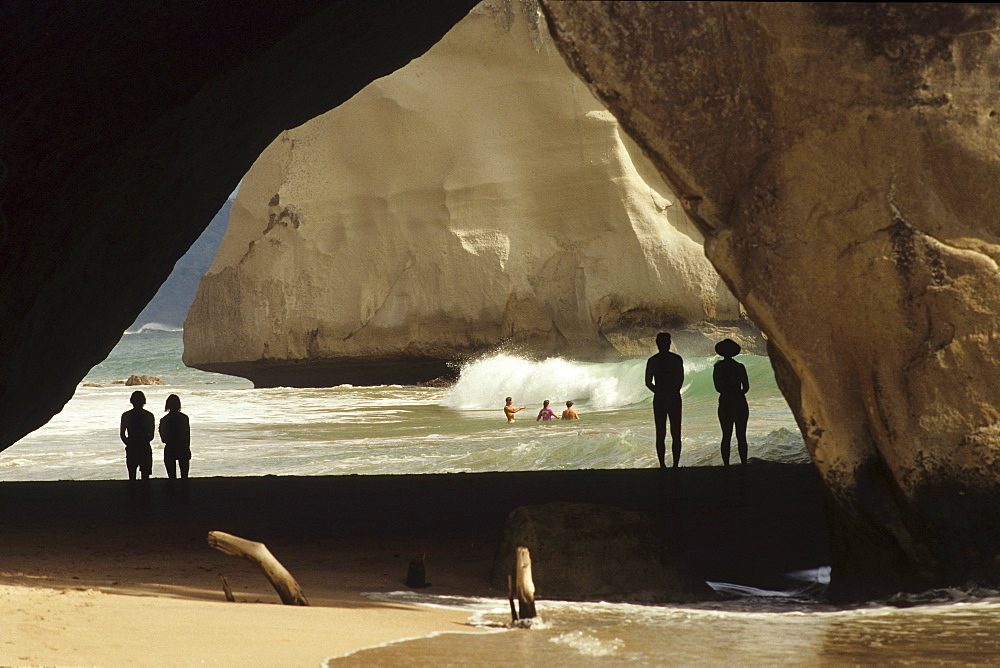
column 509, row 409
column 569, row 413
column 546, row 413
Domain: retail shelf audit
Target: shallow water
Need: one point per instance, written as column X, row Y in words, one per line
column 237, row 430
column 759, row 631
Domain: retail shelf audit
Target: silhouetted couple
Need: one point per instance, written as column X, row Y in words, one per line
column 665, row 377
column 137, row 433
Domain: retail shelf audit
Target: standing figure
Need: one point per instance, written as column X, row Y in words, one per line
column 731, row 383
column 546, row 413
column 509, row 409
column 569, row 413
column 175, row 432
column 664, row 378
column 136, row 432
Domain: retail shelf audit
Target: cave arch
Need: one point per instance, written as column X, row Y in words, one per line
column 113, row 123
column 860, row 149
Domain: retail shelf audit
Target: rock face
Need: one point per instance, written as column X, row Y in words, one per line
column 170, row 305
column 585, row 551
column 479, row 196
column 125, row 126
column 842, row 162
column 142, row 380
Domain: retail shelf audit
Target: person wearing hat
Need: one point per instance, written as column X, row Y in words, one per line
column 732, row 384
column 137, row 430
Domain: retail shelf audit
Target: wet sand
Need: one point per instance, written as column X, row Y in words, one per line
column 108, row 572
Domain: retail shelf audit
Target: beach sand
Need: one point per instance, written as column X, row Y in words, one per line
column 113, row 573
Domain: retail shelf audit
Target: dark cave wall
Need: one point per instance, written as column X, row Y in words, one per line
column 124, row 127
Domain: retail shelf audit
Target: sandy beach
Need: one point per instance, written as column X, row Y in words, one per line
column 108, row 573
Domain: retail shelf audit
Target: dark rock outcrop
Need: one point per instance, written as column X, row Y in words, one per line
column 142, row 380
column 124, row 128
column 586, row 551
column 842, row 162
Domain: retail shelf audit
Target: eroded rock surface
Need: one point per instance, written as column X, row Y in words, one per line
column 842, row 161
column 479, row 196
column 586, row 551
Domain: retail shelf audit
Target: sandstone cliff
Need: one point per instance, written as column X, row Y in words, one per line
column 842, row 161
column 479, row 196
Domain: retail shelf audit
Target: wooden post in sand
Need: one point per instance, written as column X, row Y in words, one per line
column 510, row 597
column 525, row 585
column 257, row 553
column 416, row 574
column 227, row 590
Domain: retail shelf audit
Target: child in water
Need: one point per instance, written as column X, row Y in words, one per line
column 546, row 413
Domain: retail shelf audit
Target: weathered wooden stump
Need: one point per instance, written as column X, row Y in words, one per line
column 525, row 585
column 416, row 574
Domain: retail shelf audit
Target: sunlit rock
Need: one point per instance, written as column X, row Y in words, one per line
column 142, row 380
column 586, row 551
column 842, row 161
column 480, row 196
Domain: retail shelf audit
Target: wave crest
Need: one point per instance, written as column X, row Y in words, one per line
column 485, row 382
column 155, row 327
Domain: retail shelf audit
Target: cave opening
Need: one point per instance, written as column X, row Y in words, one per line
column 911, row 507
column 490, row 276
column 564, row 326
column 472, row 226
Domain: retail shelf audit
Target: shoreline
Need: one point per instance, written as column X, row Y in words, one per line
column 136, row 553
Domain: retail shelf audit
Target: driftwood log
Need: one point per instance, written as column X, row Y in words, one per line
column 257, row 553
column 525, row 585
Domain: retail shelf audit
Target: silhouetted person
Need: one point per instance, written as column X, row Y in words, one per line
column 664, row 378
column 569, row 413
column 731, row 383
column 509, row 409
column 137, row 430
column 175, row 432
column 546, row 413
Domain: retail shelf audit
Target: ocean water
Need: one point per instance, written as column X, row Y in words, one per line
column 953, row 628
column 237, row 430
column 240, row 431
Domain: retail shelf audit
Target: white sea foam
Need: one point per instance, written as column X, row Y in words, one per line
column 600, row 386
column 587, row 644
column 155, row 327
